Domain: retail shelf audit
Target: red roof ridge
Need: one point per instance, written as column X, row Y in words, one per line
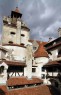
column 38, row 90
column 15, row 63
column 51, row 63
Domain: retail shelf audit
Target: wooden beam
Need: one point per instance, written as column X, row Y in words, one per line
column 12, row 74
column 18, row 74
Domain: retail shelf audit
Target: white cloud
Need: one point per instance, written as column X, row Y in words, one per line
column 47, row 14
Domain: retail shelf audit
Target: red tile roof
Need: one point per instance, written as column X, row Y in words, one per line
column 41, row 52
column 38, row 90
column 51, row 63
column 3, row 90
column 22, row 81
column 13, row 63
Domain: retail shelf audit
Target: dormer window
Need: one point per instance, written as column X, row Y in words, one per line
column 1, row 69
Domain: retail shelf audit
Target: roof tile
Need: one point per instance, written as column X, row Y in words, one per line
column 22, row 81
column 41, row 52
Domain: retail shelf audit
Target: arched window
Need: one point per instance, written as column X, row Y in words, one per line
column 1, row 69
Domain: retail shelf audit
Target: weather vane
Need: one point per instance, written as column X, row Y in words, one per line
column 17, row 3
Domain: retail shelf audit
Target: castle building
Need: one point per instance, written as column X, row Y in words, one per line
column 22, row 59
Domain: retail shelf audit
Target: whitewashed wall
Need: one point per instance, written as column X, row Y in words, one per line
column 19, row 53
column 3, row 76
column 24, row 39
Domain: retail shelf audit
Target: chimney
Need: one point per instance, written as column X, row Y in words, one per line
column 59, row 31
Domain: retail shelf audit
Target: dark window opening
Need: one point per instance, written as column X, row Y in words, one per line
column 52, row 69
column 33, row 70
column 15, row 69
column 43, row 69
column 1, row 69
column 22, row 43
column 22, row 35
column 59, row 53
column 43, row 76
column 34, row 48
column 10, row 42
column 56, row 84
column 13, row 33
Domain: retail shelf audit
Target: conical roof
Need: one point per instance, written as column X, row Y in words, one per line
column 41, row 52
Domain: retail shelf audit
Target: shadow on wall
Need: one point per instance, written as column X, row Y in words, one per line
column 2, row 92
column 54, row 91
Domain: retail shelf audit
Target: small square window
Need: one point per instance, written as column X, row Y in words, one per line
column 43, row 69
column 22, row 35
column 34, row 48
column 33, row 70
column 43, row 76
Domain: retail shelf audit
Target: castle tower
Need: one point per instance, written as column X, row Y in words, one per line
column 24, row 34
column 12, row 28
column 59, row 31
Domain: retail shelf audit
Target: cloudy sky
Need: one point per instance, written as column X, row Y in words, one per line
column 42, row 16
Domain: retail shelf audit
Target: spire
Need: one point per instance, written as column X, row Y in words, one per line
column 17, row 10
column 16, row 13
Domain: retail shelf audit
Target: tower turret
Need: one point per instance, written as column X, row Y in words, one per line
column 24, row 34
column 12, row 28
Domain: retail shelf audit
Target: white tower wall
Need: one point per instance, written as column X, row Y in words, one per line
column 18, row 53
column 3, row 75
column 11, row 33
column 24, row 36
